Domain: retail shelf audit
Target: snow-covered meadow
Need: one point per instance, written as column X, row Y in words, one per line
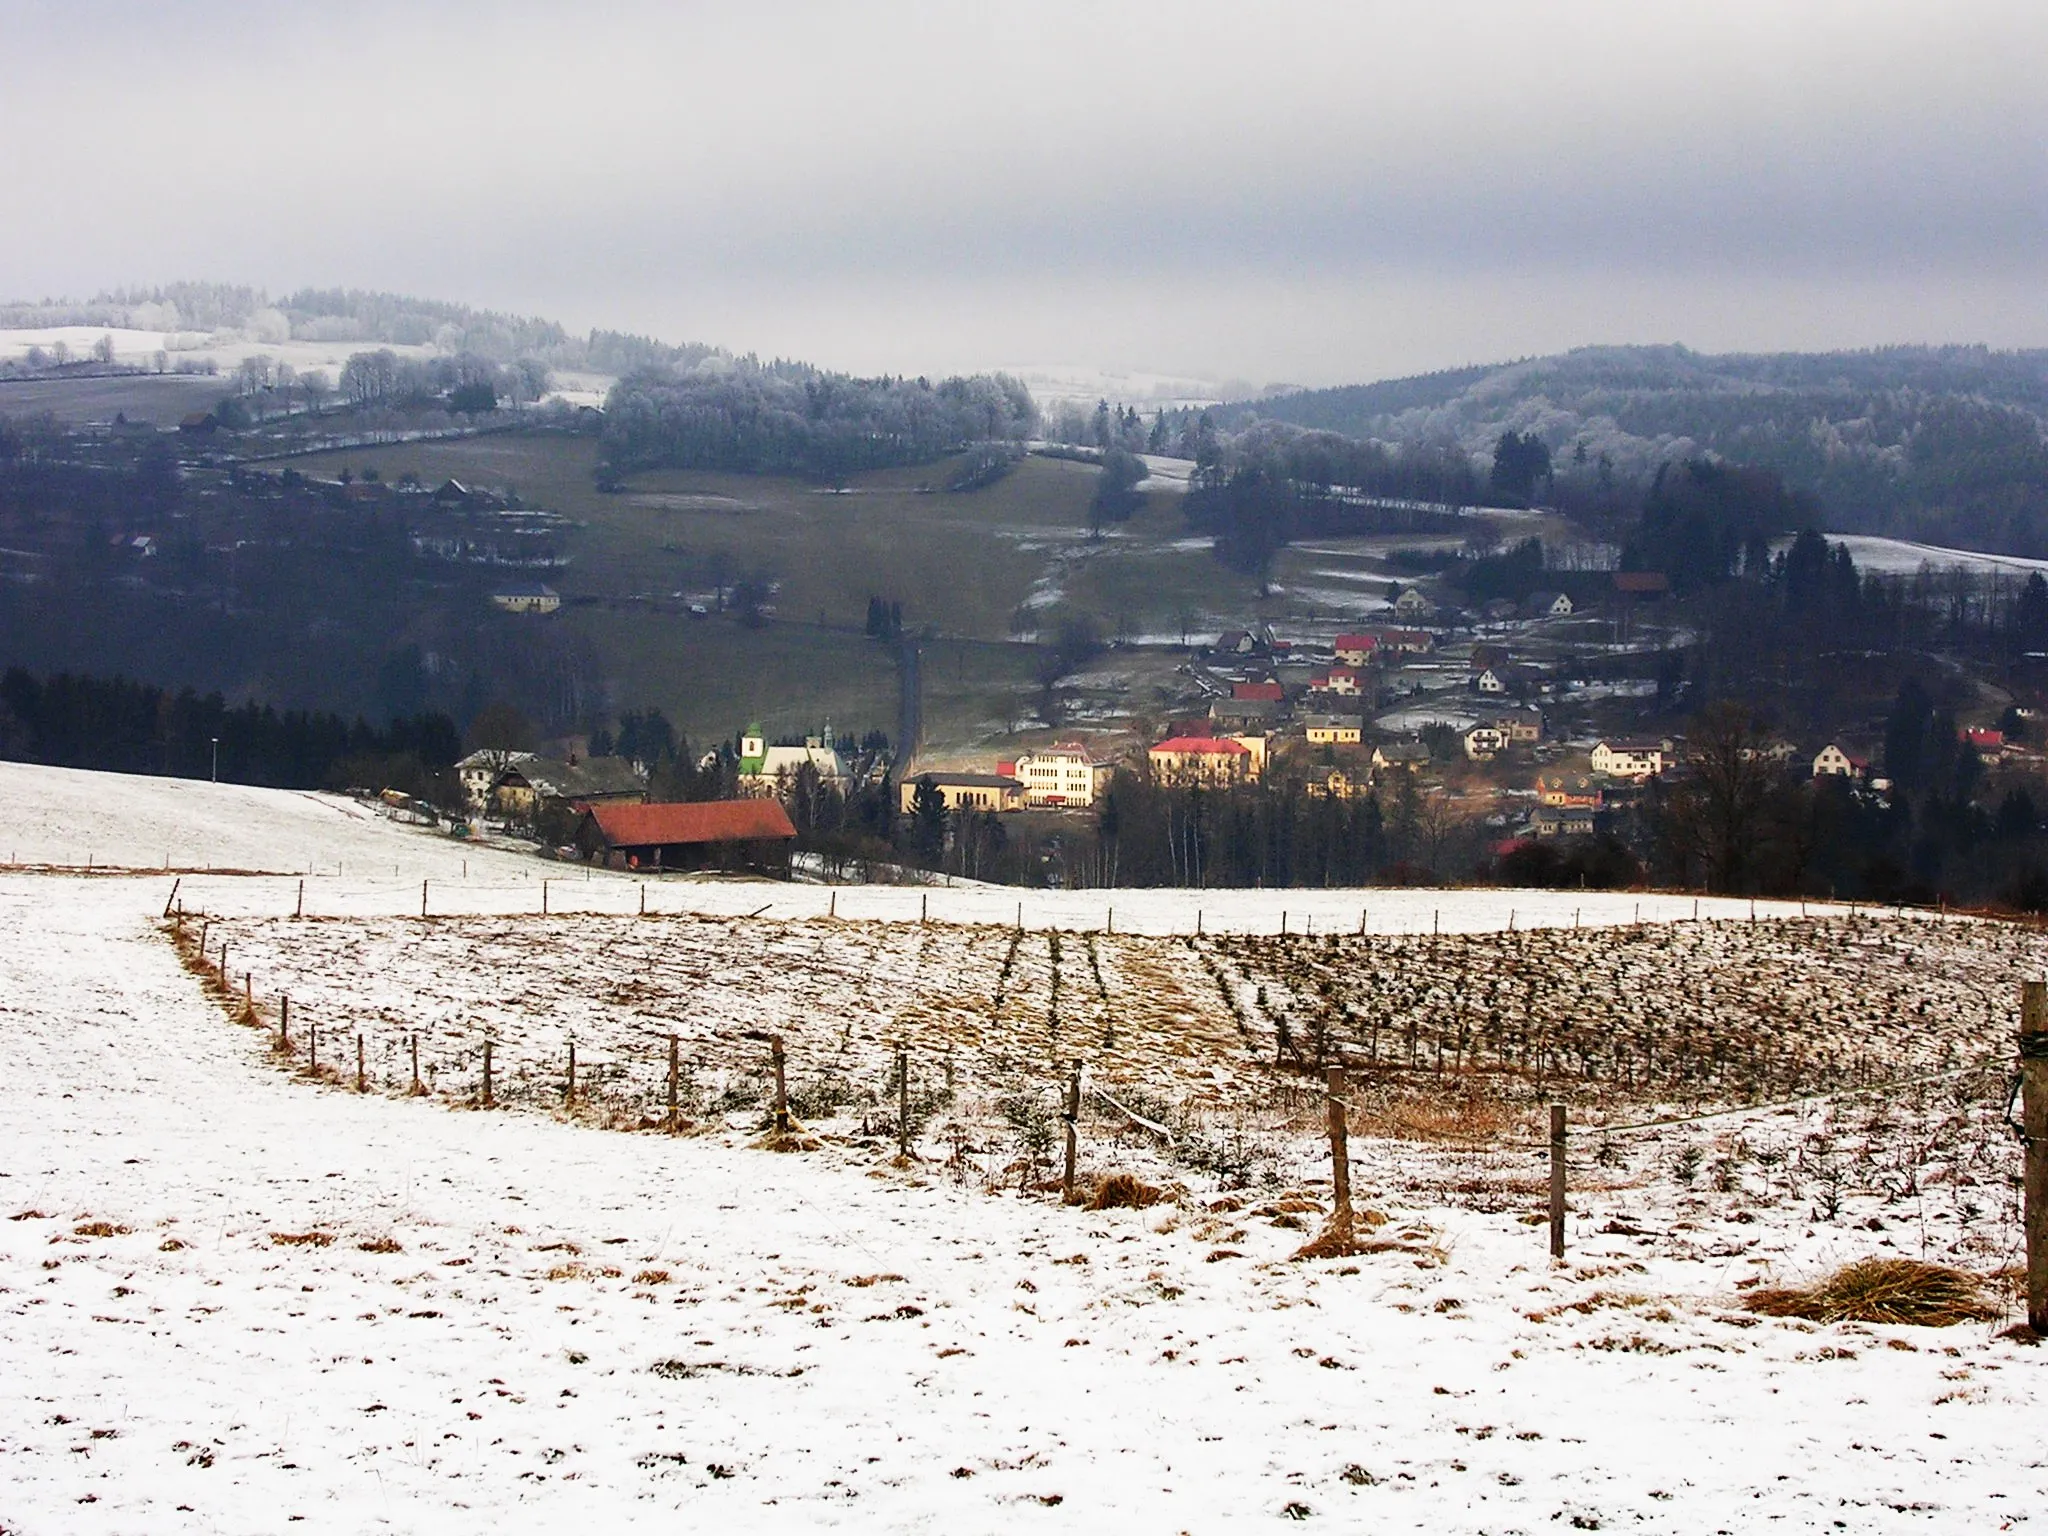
column 234, row 1298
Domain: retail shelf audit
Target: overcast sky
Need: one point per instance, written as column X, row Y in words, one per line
column 1308, row 192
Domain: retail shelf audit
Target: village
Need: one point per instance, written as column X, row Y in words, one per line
column 1524, row 720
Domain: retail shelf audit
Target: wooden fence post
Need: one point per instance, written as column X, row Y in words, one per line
column 313, row 1048
column 1557, row 1181
column 417, row 1090
column 2034, row 1128
column 675, row 1070
column 487, row 1099
column 543, row 897
column 284, row 1022
column 924, row 907
column 248, row 991
column 903, row 1102
column 362, row 1082
column 781, row 1085
column 300, row 910
column 569, row 1093
column 423, row 901
column 1073, row 1119
column 1340, row 1152
column 643, row 898
column 172, row 899
column 831, row 903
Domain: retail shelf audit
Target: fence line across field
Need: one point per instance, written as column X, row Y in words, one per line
column 1162, row 912
column 2031, row 1080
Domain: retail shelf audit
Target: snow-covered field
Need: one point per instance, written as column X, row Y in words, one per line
column 235, row 1299
column 1903, row 557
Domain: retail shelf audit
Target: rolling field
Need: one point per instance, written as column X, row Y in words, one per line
column 238, row 1295
column 160, row 399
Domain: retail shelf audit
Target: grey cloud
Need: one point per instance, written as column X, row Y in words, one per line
column 1195, row 185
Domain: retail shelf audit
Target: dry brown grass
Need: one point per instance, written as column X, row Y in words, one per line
column 1124, row 1191
column 313, row 1239
column 1340, row 1238
column 1882, row 1291
column 1467, row 1113
column 651, row 1277
column 381, row 1245
column 100, row 1229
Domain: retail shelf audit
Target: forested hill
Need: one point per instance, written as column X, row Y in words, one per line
column 1937, row 443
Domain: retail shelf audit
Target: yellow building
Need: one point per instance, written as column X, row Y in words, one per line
column 965, row 791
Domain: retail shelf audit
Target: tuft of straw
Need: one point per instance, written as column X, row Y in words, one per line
column 1124, row 1191
column 1905, row 1291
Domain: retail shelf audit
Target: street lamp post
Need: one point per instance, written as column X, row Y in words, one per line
column 216, row 758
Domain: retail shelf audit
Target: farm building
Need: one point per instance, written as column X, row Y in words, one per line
column 752, row 835
column 532, row 785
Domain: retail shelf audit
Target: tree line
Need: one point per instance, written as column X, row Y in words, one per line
column 785, row 418
column 117, row 725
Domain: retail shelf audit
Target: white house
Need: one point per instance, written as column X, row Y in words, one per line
column 1548, row 605
column 1831, row 762
column 480, row 770
column 1629, row 759
column 1061, row 776
column 1411, row 604
column 527, row 597
column 1485, row 742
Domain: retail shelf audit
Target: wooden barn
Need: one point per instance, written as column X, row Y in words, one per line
column 750, row 835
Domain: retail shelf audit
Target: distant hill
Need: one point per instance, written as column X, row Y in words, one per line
column 1941, row 443
column 353, row 315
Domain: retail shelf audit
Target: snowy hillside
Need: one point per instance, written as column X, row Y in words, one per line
column 235, row 1297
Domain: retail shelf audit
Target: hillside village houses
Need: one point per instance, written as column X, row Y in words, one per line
column 1629, row 759
column 1548, row 605
column 1355, row 650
